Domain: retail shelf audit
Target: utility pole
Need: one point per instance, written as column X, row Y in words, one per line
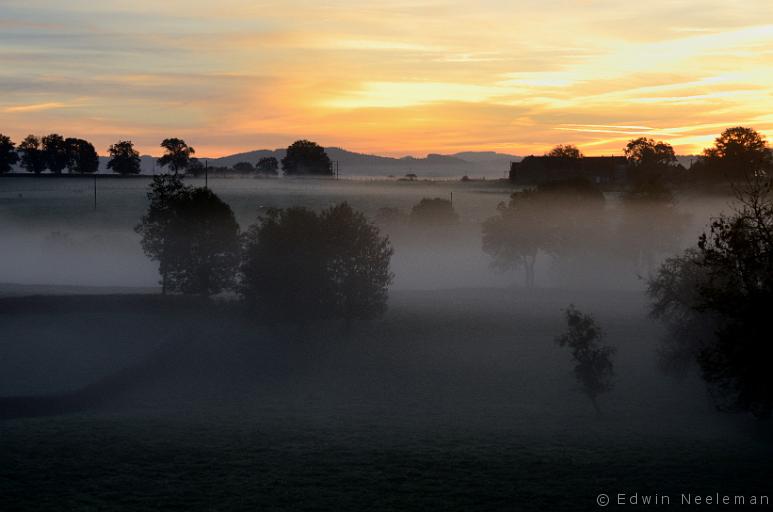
column 95, row 191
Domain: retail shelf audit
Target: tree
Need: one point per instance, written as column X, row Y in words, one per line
column 156, row 225
column 567, row 151
column 244, row 167
column 594, row 369
column 205, row 243
column 434, row 211
column 54, row 152
column 300, row 266
column 81, row 156
column 564, row 219
column 267, row 166
column 8, row 156
column 651, row 224
column 306, row 158
column 358, row 264
column 514, row 237
column 177, row 155
column 32, row 158
column 124, row 159
column 716, row 299
column 648, row 159
column 193, row 235
column 738, row 154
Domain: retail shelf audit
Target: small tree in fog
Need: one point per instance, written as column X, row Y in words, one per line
column 32, row 158
column 243, row 168
column 8, row 156
column 300, row 266
column 593, row 360
column 651, row 225
column 514, row 237
column 177, row 155
column 434, row 211
column 267, row 166
column 124, row 159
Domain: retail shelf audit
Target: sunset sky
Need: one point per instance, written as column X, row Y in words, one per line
column 394, row 78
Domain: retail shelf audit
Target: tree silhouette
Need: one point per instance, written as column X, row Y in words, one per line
column 54, row 152
column 32, row 158
column 514, row 237
column 267, row 166
column 124, row 159
column 434, row 211
column 738, row 154
column 648, row 159
column 716, row 299
column 244, row 167
column 192, row 234
column 651, row 224
column 358, row 263
column 82, row 158
column 593, row 368
column 301, row 267
column 204, row 243
column 177, row 155
column 564, row 219
column 567, row 151
column 156, row 226
column 8, row 156
column 306, row 158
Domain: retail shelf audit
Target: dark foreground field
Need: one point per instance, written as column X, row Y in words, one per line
column 456, row 400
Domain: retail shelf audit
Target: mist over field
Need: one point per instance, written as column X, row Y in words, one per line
column 53, row 235
column 461, row 377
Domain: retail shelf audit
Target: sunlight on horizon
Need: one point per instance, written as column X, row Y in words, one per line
column 420, row 77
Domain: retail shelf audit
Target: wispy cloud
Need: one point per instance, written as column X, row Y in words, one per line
column 35, row 107
column 394, row 77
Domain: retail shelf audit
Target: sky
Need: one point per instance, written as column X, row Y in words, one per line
column 391, row 78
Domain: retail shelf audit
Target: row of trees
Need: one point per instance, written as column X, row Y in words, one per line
column 293, row 265
column 737, row 153
column 55, row 153
column 52, row 152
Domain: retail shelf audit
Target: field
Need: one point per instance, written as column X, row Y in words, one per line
column 458, row 399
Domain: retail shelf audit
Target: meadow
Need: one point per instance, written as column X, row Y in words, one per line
column 457, row 399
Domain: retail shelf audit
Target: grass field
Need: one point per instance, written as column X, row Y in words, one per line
column 115, row 398
column 456, row 400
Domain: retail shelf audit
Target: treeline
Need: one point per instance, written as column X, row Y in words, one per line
column 737, row 153
column 52, row 152
column 55, row 153
column 294, row 265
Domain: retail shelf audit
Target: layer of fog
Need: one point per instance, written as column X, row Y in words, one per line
column 52, row 235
